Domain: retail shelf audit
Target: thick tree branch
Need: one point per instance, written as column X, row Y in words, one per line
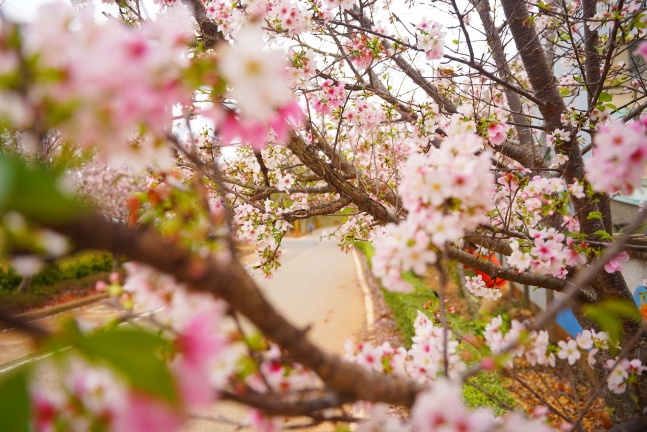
column 317, row 210
column 229, row 281
column 210, row 33
column 513, row 275
column 514, row 101
column 320, row 167
column 287, row 405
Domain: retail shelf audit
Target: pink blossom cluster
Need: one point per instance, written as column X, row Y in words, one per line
column 423, row 362
column 332, row 97
column 549, row 253
column 431, row 39
column 288, row 16
column 303, row 67
column 107, row 187
column 446, row 191
column 115, row 77
column 476, row 286
column 356, row 227
column 254, row 227
column 95, row 398
column 497, row 133
column 277, row 375
column 257, row 78
column 534, row 346
column 361, row 53
column 442, row 406
column 194, row 323
column 235, row 129
column 541, row 191
column 226, row 15
column 617, row 163
column 363, row 113
column 614, row 263
column 623, row 371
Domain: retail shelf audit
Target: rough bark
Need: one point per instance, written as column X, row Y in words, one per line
column 320, row 167
column 514, row 101
column 229, row 281
column 608, row 286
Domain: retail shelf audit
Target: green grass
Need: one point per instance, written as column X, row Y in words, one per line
column 405, row 307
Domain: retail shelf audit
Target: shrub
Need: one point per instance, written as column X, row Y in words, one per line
column 70, row 268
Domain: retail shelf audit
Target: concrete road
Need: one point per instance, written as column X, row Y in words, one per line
column 317, row 285
column 16, row 347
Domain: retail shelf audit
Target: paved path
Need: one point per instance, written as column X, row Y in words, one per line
column 16, row 347
column 317, row 285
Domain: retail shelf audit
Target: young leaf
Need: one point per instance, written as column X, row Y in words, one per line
column 610, row 313
column 33, row 192
column 603, row 234
column 134, row 354
column 594, row 215
column 605, row 97
column 15, row 405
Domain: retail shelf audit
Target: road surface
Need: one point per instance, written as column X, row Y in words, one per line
column 316, row 285
column 16, row 347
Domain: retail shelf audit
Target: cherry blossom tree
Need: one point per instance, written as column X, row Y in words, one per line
column 425, row 123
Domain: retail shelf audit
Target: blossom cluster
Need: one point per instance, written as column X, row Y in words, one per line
column 288, row 16
column 333, row 96
column 115, row 78
column 619, row 156
column 363, row 50
column 477, row 286
column 363, row 113
column 423, row 362
column 534, row 346
column 201, row 360
column 442, row 404
column 107, row 187
column 549, row 253
column 204, row 359
column 431, row 39
column 446, row 192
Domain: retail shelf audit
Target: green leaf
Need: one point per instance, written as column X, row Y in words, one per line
column 603, row 234
column 33, row 192
column 594, row 215
column 15, row 404
column 609, row 315
column 607, row 321
column 605, row 97
column 135, row 354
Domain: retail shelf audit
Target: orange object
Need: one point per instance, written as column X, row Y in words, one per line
column 490, row 282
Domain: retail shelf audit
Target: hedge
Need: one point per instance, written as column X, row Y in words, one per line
column 74, row 267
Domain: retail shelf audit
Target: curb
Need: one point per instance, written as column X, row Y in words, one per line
column 368, row 298
column 53, row 310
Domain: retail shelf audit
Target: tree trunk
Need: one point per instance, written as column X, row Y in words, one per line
column 25, row 284
column 607, row 286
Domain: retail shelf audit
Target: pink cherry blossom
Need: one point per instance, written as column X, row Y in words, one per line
column 614, row 263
